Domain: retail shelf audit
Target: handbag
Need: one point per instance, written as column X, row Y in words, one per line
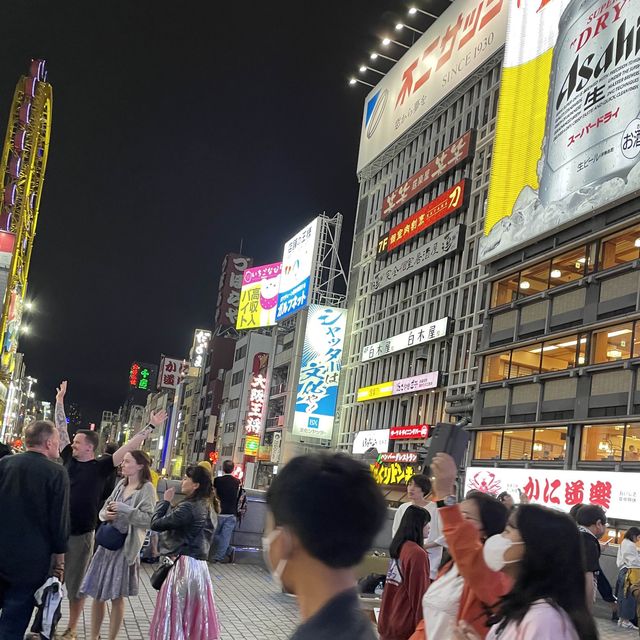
column 109, row 537
column 160, row 574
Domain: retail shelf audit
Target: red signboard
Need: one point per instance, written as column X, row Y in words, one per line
column 399, row 456
column 457, row 152
column 410, row 433
column 452, row 200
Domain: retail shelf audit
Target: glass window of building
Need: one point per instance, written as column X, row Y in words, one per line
column 517, row 444
column 496, row 367
column 632, row 444
column 534, row 279
column 620, row 247
column 612, row 344
column 550, row 443
column 525, row 361
column 569, row 266
column 563, row 353
column 504, row 291
column 488, row 445
column 602, row 442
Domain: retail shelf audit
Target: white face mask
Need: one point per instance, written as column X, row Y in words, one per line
column 494, row 549
column 276, row 574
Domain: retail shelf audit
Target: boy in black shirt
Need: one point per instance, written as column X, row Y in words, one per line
column 324, row 512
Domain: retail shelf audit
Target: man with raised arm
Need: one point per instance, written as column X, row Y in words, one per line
column 87, row 477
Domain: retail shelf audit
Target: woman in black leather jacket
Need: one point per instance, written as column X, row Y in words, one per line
column 186, row 609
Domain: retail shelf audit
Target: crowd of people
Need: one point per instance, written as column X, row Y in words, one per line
column 480, row 568
column 83, row 519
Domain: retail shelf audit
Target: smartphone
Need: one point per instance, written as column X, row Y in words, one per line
column 448, row 438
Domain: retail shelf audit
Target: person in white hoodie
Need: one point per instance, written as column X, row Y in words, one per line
column 419, row 494
column 628, row 558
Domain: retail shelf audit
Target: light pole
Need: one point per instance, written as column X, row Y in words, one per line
column 353, row 81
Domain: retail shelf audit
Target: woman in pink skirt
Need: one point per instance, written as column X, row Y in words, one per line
column 186, row 609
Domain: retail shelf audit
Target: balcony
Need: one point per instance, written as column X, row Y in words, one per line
column 275, row 422
column 278, row 389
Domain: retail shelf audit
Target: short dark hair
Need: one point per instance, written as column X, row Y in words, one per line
column 573, row 512
column 331, row 503
column 411, row 529
column 91, row 436
column 632, row 533
column 422, row 481
column 503, row 495
column 227, row 466
column 37, row 433
column 493, row 513
column 110, row 448
column 589, row 514
column 203, row 478
column 5, row 450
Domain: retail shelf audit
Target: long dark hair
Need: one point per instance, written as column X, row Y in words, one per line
column 411, row 529
column 203, row 478
column 141, row 457
column 551, row 569
column 632, row 533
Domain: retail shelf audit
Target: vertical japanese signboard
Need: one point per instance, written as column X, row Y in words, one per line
column 317, row 393
column 617, row 492
column 462, row 39
column 229, row 287
column 568, row 128
column 257, row 395
column 298, row 266
column 172, row 371
column 142, row 376
column 201, row 339
column 259, row 296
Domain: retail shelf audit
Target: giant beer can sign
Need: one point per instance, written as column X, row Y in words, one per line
column 568, row 130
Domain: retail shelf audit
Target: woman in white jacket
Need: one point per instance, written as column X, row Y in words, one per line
column 113, row 572
column 628, row 558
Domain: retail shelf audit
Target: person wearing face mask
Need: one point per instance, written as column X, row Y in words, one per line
column 540, row 550
column 185, row 608
column 323, row 514
column 407, row 578
column 466, row 587
column 592, row 524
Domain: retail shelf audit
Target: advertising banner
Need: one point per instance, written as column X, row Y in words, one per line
column 317, row 393
column 415, row 432
column 422, row 258
column 298, row 264
column 233, row 267
column 406, row 457
column 257, row 397
column 259, row 296
column 276, row 447
column 462, row 39
column 399, row 387
column 201, row 339
column 456, row 153
column 373, row 439
column 172, row 371
column 568, row 128
column 452, row 200
column 393, row 472
column 406, row 340
column 618, row 493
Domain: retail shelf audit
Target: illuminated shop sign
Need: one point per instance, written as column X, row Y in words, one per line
column 251, row 445
column 426, row 256
column 456, row 153
column 172, row 371
column 618, row 493
column 259, row 296
column 371, row 439
column 407, row 340
column 406, row 457
column 413, row 432
column 399, row 387
column 317, row 393
column 452, row 200
column 393, row 472
column 257, row 395
column 233, row 267
column 201, row 339
column 141, row 376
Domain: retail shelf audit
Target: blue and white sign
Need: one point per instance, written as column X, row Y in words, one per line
column 317, row 394
column 298, row 262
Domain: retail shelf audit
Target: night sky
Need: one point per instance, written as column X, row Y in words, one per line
column 178, row 130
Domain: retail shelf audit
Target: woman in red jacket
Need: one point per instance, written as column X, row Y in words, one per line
column 407, row 578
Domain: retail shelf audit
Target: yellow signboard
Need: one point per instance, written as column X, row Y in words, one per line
column 375, row 391
column 259, row 296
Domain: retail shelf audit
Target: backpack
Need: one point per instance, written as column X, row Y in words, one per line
column 241, row 504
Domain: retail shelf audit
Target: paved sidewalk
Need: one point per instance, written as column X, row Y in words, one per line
column 248, row 605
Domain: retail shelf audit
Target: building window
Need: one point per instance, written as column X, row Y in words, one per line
column 550, row 443
column 496, row 367
column 563, row 353
column 570, row 266
column 504, row 291
column 234, row 404
column 237, row 378
column 534, row 279
column 240, row 353
column 517, row 444
column 602, row 442
column 620, row 247
column 525, row 361
column 612, row 344
column 488, row 445
column 632, row 444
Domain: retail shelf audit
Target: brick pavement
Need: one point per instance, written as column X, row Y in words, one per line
column 249, row 608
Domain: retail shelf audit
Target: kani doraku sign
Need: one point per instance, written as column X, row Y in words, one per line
column 427, row 255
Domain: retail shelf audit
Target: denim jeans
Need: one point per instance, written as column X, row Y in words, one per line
column 222, row 537
column 16, row 612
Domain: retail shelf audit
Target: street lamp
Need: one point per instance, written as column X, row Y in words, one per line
column 414, row 10
column 29, row 305
column 353, row 81
column 400, row 26
column 364, row 68
column 375, row 55
column 25, row 329
column 387, row 41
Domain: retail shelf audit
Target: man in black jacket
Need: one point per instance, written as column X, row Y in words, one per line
column 34, row 498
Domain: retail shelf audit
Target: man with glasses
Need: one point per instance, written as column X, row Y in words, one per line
column 592, row 522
